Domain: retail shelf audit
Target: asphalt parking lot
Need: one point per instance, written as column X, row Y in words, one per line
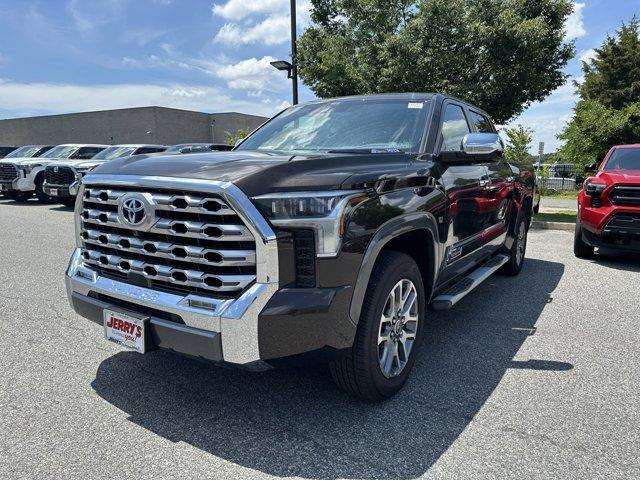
column 530, row 377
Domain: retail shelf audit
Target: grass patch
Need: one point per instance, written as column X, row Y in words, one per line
column 562, row 217
column 561, row 195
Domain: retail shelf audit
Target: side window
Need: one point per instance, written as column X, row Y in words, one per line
column 149, row 150
column 87, row 152
column 454, row 128
column 482, row 123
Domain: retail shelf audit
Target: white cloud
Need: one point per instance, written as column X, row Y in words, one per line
column 588, row 55
column 574, row 26
column 273, row 30
column 266, row 22
column 49, row 98
column 239, row 9
column 250, row 74
column 548, row 118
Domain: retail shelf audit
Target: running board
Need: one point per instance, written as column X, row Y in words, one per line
column 457, row 292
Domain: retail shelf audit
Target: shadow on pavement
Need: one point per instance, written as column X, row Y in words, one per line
column 296, row 423
column 619, row 260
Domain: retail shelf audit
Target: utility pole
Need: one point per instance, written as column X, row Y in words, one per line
column 294, row 52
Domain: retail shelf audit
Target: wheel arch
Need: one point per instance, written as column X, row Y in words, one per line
column 402, row 234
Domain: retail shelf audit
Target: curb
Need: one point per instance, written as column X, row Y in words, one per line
column 539, row 225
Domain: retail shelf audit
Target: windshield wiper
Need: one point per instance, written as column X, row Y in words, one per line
column 366, row 150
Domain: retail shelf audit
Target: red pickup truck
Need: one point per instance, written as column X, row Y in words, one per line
column 609, row 204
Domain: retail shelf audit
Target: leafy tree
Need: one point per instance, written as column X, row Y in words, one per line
column 233, row 138
column 613, row 76
column 499, row 54
column 518, row 144
column 519, row 140
column 608, row 112
column 595, row 128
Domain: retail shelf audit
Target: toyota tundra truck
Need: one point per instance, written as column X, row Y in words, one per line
column 325, row 236
column 609, row 205
column 61, row 178
column 20, row 178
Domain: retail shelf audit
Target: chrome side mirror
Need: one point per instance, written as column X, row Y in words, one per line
column 482, row 144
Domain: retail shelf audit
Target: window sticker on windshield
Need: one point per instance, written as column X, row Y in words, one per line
column 415, row 105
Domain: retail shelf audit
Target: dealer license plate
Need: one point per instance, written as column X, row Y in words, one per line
column 53, row 192
column 125, row 330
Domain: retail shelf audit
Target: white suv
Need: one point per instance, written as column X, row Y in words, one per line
column 20, row 178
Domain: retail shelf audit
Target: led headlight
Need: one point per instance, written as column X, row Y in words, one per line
column 26, row 169
column 593, row 187
column 323, row 212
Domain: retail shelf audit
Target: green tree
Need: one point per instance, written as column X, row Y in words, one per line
column 233, row 138
column 595, row 128
column 499, row 54
column 613, row 76
column 518, row 144
column 608, row 112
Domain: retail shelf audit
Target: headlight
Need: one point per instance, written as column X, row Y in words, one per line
column 594, row 187
column 323, row 212
column 81, row 171
column 26, row 169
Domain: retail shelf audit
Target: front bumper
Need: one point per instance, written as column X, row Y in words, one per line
column 621, row 232
column 18, row 185
column 234, row 321
column 57, row 191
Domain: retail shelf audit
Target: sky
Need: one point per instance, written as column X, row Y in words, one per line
column 62, row 56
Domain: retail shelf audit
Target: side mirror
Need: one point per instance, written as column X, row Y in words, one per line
column 476, row 148
column 591, row 168
column 483, row 144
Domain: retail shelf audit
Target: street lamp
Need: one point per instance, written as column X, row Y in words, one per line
column 291, row 67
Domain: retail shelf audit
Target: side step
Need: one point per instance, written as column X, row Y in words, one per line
column 457, row 292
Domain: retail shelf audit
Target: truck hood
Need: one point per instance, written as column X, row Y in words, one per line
column 28, row 162
column 78, row 163
column 258, row 173
column 620, row 176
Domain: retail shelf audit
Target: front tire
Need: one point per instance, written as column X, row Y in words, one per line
column 43, row 197
column 518, row 250
column 580, row 247
column 19, row 196
column 389, row 332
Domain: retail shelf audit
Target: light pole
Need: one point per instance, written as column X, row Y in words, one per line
column 291, row 67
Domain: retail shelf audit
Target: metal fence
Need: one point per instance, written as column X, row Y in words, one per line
column 557, row 183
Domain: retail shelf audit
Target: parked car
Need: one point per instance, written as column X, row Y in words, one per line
column 61, row 177
column 609, row 204
column 29, row 151
column 323, row 237
column 5, row 150
column 198, row 147
column 20, row 178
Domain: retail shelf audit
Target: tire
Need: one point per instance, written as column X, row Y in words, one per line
column 580, row 248
column 68, row 202
column 536, row 208
column 19, row 196
column 362, row 374
column 518, row 250
column 43, row 197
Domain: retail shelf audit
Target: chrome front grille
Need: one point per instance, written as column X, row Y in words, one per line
column 195, row 243
column 8, row 172
column 59, row 176
column 625, row 195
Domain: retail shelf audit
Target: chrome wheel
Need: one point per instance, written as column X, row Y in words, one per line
column 522, row 243
column 398, row 327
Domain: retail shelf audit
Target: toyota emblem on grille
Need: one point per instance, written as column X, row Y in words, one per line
column 56, row 169
column 134, row 211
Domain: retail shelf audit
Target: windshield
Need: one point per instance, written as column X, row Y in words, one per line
column 177, row 148
column 60, row 152
column 114, row 152
column 23, row 152
column 369, row 125
column 624, row 159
